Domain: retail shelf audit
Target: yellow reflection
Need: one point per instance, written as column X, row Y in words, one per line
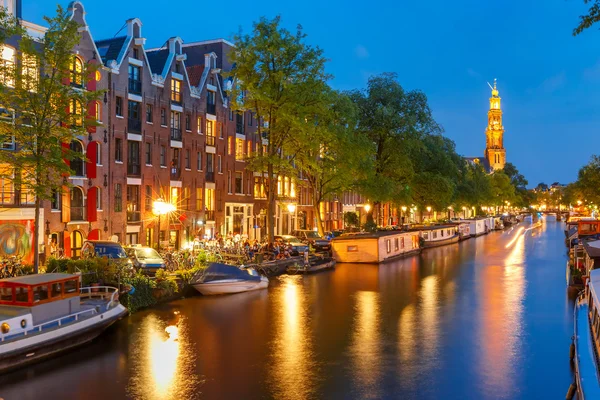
column 365, row 343
column 163, row 357
column 429, row 313
column 407, row 343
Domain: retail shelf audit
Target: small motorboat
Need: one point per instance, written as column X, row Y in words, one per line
column 316, row 264
column 45, row 314
column 226, row 279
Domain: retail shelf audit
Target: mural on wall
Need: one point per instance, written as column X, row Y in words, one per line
column 16, row 239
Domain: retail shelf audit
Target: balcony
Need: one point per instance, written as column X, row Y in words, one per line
column 135, row 86
column 134, row 125
column 211, row 109
column 133, row 169
column 209, row 215
column 175, row 173
column 210, row 140
column 176, row 134
column 78, row 213
column 210, row 176
column 134, row 216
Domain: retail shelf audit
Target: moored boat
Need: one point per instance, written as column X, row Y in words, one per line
column 315, row 265
column 438, row 235
column 586, row 339
column 226, row 279
column 43, row 315
column 376, row 247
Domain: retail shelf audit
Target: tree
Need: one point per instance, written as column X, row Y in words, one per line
column 277, row 77
column 516, row 179
column 474, row 188
column 394, row 120
column 502, row 191
column 589, row 19
column 588, row 181
column 47, row 113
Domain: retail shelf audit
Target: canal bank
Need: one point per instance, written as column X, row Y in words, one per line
column 482, row 319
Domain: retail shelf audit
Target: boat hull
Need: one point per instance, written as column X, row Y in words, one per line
column 312, row 268
column 436, row 243
column 230, row 286
column 35, row 348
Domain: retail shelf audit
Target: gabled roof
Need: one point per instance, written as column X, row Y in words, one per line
column 479, row 160
column 157, row 60
column 195, row 74
column 111, row 49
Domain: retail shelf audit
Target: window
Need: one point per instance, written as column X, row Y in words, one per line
column 239, row 149
column 388, row 244
column 175, row 91
column 76, row 113
column 239, row 123
column 118, row 198
column 8, row 61
column 135, row 83
column 229, row 183
column 133, row 157
column 148, row 199
column 250, row 118
column 239, row 182
column 134, row 122
column 199, row 128
column 163, row 156
column 220, row 127
column 98, row 154
column 29, row 72
column 55, row 201
column 98, row 198
column 210, row 128
column 163, row 117
column 210, row 102
column 188, row 122
column 210, row 166
column 175, row 125
column 186, row 197
column 77, row 163
column 396, row 244
column 119, row 106
column 188, row 162
column 133, row 203
column 149, row 113
column 219, row 164
column 148, row 153
column 199, row 162
column 198, row 199
column 118, row 150
column 97, row 111
column 76, row 72
column 136, row 54
column 231, row 147
column 259, row 188
column 231, row 115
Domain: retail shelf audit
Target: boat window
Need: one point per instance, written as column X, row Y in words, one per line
column 425, row 235
column 434, row 236
column 6, row 294
column 388, row 243
column 22, row 294
column 40, row 293
column 351, row 249
column 70, row 286
column 396, row 245
column 56, row 289
column 442, row 232
column 402, row 242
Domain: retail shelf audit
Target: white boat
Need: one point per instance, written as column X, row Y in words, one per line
column 227, row 279
column 42, row 315
column 586, row 339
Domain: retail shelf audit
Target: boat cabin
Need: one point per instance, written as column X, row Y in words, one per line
column 29, row 300
column 438, row 232
column 478, row 226
column 464, row 229
column 374, row 247
column 588, row 228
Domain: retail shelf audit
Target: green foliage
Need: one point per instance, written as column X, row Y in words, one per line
column 161, row 275
column 351, row 218
column 186, row 275
column 204, row 258
column 589, row 19
column 168, row 285
column 588, row 181
column 142, row 296
column 370, row 225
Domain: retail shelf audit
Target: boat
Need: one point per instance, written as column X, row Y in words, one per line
column 586, row 339
column 45, row 314
column 376, row 247
column 220, row 278
column 438, row 235
column 478, row 226
column 587, row 230
column 464, row 229
column 316, row 264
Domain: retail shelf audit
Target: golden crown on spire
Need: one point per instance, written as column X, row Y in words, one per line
column 494, row 89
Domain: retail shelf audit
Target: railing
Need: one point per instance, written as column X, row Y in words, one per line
column 102, row 292
column 135, row 86
column 78, row 213
column 210, row 140
column 134, row 216
column 209, row 215
column 211, row 108
column 133, row 169
column 210, row 176
column 176, row 134
column 134, row 125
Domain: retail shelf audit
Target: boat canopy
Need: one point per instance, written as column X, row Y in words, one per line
column 218, row 272
column 32, row 290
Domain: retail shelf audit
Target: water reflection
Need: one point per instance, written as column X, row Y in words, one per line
column 366, row 346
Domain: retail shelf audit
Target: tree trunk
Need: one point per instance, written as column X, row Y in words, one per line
column 271, row 204
column 317, row 209
column 36, row 232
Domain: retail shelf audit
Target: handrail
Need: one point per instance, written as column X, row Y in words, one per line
column 113, row 297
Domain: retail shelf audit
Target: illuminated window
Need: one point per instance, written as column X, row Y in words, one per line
column 199, row 128
column 249, row 148
column 198, row 199
column 174, row 195
column 175, row 91
column 239, row 149
column 29, row 72
column 97, row 111
column 76, row 72
column 76, row 111
column 210, row 127
column 8, row 65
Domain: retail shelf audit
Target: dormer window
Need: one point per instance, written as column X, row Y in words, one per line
column 177, row 68
column 176, row 91
column 136, row 54
column 76, row 72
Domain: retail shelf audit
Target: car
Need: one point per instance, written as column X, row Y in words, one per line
column 145, row 259
column 298, row 248
column 333, row 234
column 313, row 238
column 105, row 248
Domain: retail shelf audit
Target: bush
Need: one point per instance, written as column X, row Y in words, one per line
column 142, row 294
column 161, row 275
column 169, row 286
column 186, row 275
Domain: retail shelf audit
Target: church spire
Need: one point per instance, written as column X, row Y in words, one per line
column 494, row 151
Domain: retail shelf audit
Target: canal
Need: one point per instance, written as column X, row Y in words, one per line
column 488, row 318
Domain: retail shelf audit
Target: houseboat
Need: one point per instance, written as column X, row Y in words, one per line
column 464, row 229
column 587, row 230
column 438, row 235
column 478, row 226
column 42, row 315
column 374, row 247
column 586, row 340
column 498, row 224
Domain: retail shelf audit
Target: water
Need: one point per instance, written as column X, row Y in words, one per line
column 488, row 318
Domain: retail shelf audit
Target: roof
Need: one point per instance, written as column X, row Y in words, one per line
column 433, row 227
column 38, row 278
column 110, row 49
column 483, row 161
column 592, row 248
column 195, row 74
column 157, row 60
column 369, row 235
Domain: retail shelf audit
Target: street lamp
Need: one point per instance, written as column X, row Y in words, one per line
column 292, row 209
column 161, row 207
column 403, row 208
column 429, row 212
column 367, row 208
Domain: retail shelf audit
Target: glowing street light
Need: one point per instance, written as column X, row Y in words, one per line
column 161, row 207
column 291, row 208
column 367, row 207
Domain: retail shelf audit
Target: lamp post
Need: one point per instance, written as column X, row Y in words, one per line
column 161, row 207
column 292, row 210
column 403, row 213
column 429, row 213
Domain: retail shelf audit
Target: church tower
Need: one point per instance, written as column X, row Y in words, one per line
column 494, row 150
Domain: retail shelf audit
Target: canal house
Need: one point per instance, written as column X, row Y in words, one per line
column 374, row 247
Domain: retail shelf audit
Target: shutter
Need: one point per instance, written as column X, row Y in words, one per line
column 94, row 234
column 92, row 215
column 67, row 243
column 66, row 148
column 91, row 154
column 65, row 205
column 91, row 117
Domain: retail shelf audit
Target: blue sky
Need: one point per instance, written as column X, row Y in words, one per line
column 549, row 81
